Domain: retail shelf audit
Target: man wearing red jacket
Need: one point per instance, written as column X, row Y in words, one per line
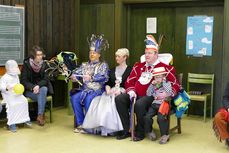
column 136, row 86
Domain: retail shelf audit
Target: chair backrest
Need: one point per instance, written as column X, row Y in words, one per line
column 200, row 79
column 180, row 78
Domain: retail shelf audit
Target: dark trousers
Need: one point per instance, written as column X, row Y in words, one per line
column 162, row 120
column 122, row 102
column 141, row 108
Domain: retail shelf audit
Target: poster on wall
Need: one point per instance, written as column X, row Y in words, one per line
column 151, row 25
column 199, row 35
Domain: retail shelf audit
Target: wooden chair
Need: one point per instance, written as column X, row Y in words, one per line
column 202, row 79
column 167, row 59
column 173, row 111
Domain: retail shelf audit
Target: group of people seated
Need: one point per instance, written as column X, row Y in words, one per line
column 102, row 104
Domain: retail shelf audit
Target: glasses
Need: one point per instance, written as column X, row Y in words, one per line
column 150, row 53
column 40, row 55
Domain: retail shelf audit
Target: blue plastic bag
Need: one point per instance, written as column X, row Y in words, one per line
column 181, row 101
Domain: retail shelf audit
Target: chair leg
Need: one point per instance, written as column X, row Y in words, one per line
column 187, row 111
column 211, row 108
column 169, row 122
column 179, row 125
column 50, row 110
column 205, row 109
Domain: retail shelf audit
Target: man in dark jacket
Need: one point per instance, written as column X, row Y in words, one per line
column 35, row 80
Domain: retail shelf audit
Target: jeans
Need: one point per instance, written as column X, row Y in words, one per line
column 40, row 98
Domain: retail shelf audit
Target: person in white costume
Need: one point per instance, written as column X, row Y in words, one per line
column 102, row 116
column 16, row 104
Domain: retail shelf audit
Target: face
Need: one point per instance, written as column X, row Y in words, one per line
column 120, row 59
column 94, row 56
column 159, row 78
column 39, row 56
column 150, row 56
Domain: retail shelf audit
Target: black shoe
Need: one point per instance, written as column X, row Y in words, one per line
column 123, row 136
column 138, row 138
column 227, row 142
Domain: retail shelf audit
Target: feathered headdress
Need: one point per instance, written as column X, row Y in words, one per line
column 151, row 43
column 97, row 43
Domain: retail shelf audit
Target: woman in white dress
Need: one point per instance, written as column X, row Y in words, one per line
column 16, row 104
column 102, row 116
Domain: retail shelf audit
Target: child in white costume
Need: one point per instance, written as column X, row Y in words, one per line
column 16, row 104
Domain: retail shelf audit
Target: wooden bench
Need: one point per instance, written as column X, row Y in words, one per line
column 49, row 105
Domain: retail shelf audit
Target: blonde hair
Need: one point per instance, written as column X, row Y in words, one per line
column 122, row 52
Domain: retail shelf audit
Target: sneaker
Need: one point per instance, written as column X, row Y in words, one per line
column 164, row 139
column 82, row 131
column 78, row 129
column 13, row 128
column 152, row 136
column 28, row 123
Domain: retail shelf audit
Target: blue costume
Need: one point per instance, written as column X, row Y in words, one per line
column 89, row 89
column 95, row 87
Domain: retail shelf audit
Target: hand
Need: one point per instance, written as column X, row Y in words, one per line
column 108, row 91
column 132, row 94
column 228, row 109
column 154, row 82
column 117, row 93
column 73, row 77
column 86, row 78
column 36, row 89
column 162, row 95
column 8, row 87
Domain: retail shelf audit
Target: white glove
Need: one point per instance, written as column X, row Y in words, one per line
column 132, row 94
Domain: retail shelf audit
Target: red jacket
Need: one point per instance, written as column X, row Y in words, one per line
column 133, row 84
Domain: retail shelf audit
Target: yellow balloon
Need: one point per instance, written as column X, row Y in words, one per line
column 19, row 89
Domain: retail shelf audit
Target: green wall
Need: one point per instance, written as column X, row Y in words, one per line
column 97, row 19
column 171, row 22
column 137, row 29
column 124, row 24
column 207, row 64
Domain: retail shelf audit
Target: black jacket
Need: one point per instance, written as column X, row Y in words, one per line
column 112, row 77
column 226, row 97
column 27, row 78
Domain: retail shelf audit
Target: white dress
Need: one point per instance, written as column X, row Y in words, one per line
column 16, row 105
column 102, row 116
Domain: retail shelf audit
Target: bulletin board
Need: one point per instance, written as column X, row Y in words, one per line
column 199, row 35
column 12, row 35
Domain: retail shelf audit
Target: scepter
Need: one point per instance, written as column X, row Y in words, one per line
column 161, row 37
